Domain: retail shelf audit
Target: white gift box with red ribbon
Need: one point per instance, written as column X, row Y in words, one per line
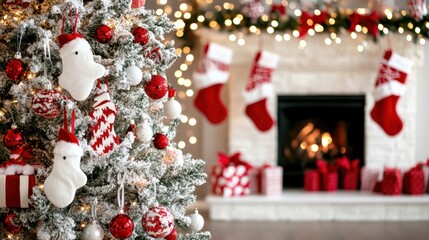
column 16, row 190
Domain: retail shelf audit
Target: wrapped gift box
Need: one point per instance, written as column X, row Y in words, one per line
column 312, row 180
column 230, row 176
column 350, row 180
column 369, row 179
column 272, row 180
column 328, row 175
column 414, row 181
column 392, row 182
column 349, row 173
column 16, row 190
column 329, row 181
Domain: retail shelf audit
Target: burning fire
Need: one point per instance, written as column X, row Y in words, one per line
column 313, row 142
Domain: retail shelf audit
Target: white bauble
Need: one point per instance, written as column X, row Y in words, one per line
column 197, row 222
column 134, row 75
column 172, row 109
column 144, row 132
column 92, row 231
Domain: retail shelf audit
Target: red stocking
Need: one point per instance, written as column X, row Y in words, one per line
column 390, row 85
column 209, row 78
column 259, row 88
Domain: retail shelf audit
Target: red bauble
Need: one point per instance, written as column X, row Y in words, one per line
column 13, row 138
column 141, row 36
column 46, row 103
column 103, row 34
column 137, row 3
column 160, row 141
column 171, row 92
column 121, row 226
column 157, row 87
column 158, row 222
column 15, row 69
column 9, row 225
column 172, row 235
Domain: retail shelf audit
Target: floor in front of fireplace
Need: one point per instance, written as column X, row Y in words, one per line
column 234, row 230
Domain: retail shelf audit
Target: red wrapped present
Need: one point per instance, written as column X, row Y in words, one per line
column 16, row 190
column 426, row 173
column 414, row 181
column 369, row 179
column 392, row 182
column 230, row 176
column 328, row 175
column 312, row 180
column 272, row 180
column 350, row 172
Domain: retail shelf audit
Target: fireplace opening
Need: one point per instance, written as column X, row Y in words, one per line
column 318, row 127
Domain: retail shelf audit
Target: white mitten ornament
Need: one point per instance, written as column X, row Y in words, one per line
column 66, row 176
column 79, row 69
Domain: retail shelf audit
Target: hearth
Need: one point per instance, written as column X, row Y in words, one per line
column 318, row 127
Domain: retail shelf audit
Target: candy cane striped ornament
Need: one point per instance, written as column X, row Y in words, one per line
column 103, row 137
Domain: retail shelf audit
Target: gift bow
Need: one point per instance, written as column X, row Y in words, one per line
column 308, row 21
column 234, row 160
column 279, row 8
column 325, row 167
column 370, row 21
column 345, row 164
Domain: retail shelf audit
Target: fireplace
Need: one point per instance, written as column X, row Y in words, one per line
column 312, row 127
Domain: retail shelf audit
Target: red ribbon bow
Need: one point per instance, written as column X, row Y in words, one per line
column 347, row 165
column 308, row 21
column 279, row 8
column 233, row 160
column 418, row 167
column 369, row 21
column 325, row 167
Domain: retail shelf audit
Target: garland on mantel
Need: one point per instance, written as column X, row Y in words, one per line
column 303, row 23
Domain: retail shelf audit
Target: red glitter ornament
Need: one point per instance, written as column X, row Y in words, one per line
column 160, row 141
column 121, row 226
column 13, row 138
column 103, row 34
column 158, row 222
column 172, row 235
column 157, row 87
column 141, row 36
column 15, row 69
column 46, row 103
column 9, row 225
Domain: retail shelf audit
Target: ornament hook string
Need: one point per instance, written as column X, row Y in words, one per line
column 121, row 193
column 19, row 40
column 94, row 209
column 47, row 51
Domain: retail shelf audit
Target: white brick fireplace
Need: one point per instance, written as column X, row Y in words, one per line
column 319, row 69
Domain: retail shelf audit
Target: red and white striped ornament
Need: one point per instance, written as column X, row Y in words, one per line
column 16, row 190
column 417, row 9
column 46, row 103
column 158, row 222
column 103, row 137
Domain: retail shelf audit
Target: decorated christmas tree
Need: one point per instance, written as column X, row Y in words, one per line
column 88, row 121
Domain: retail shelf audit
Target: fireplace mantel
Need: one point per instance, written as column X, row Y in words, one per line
column 319, row 69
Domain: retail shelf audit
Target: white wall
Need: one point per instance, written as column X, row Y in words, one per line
column 422, row 138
